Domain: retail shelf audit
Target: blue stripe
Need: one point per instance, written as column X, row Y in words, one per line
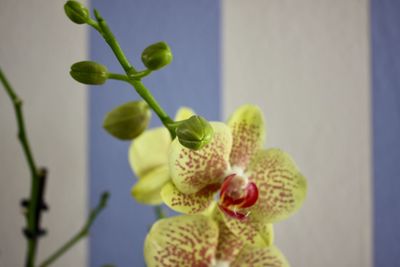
column 192, row 28
column 386, row 125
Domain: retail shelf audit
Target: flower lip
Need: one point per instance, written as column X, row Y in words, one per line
column 237, row 193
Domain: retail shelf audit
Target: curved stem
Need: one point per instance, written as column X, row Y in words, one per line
column 140, row 74
column 81, row 234
column 34, row 208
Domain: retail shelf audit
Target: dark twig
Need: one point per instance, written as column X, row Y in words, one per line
column 81, row 234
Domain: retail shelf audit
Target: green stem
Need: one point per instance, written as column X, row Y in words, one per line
column 140, row 74
column 158, row 210
column 119, row 77
column 148, row 97
column 81, row 234
column 112, row 42
column 133, row 76
column 33, row 205
column 17, row 102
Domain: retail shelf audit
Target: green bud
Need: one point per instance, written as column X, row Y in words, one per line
column 194, row 133
column 128, row 121
column 89, row 72
column 156, row 56
column 76, row 12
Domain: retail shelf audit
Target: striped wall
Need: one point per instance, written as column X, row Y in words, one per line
column 37, row 46
column 306, row 63
column 324, row 72
column 385, row 27
column 193, row 79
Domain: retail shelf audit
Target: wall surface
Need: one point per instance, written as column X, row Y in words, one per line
column 306, row 63
column 385, row 29
column 38, row 44
column 192, row 30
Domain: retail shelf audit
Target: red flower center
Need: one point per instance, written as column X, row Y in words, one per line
column 236, row 194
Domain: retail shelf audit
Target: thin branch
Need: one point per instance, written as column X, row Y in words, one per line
column 17, row 102
column 81, row 234
column 33, row 230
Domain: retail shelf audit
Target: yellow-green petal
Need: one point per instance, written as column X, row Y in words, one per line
column 191, row 170
column 187, row 203
column 255, row 257
column 184, row 241
column 252, row 232
column 229, row 245
column 282, row 188
column 148, row 187
column 149, row 151
column 248, row 133
column 184, row 113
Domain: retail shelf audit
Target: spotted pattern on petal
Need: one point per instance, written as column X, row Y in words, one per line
column 185, row 241
column 282, row 188
column 188, row 203
column 247, row 125
column 192, row 170
column 260, row 257
column 252, row 232
column 229, row 245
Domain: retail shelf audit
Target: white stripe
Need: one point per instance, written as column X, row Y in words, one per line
column 306, row 63
column 38, row 44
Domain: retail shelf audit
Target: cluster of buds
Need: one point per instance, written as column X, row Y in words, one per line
column 129, row 120
column 256, row 186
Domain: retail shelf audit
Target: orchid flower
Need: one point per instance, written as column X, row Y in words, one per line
column 203, row 241
column 256, row 186
column 148, row 157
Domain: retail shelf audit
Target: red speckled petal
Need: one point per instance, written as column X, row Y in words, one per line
column 282, row 188
column 260, row 257
column 188, row 203
column 248, row 133
column 184, row 241
column 192, row 170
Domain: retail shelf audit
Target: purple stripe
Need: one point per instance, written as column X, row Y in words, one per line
column 385, row 23
column 192, row 28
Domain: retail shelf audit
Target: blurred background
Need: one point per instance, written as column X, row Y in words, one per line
column 325, row 73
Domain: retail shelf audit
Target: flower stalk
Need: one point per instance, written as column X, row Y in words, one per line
column 133, row 76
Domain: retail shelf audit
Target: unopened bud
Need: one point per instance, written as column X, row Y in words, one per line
column 76, row 12
column 128, row 121
column 156, row 56
column 194, row 133
column 89, row 72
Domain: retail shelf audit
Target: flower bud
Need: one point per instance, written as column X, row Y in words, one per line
column 194, row 133
column 76, row 12
column 128, row 121
column 156, row 56
column 89, row 72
